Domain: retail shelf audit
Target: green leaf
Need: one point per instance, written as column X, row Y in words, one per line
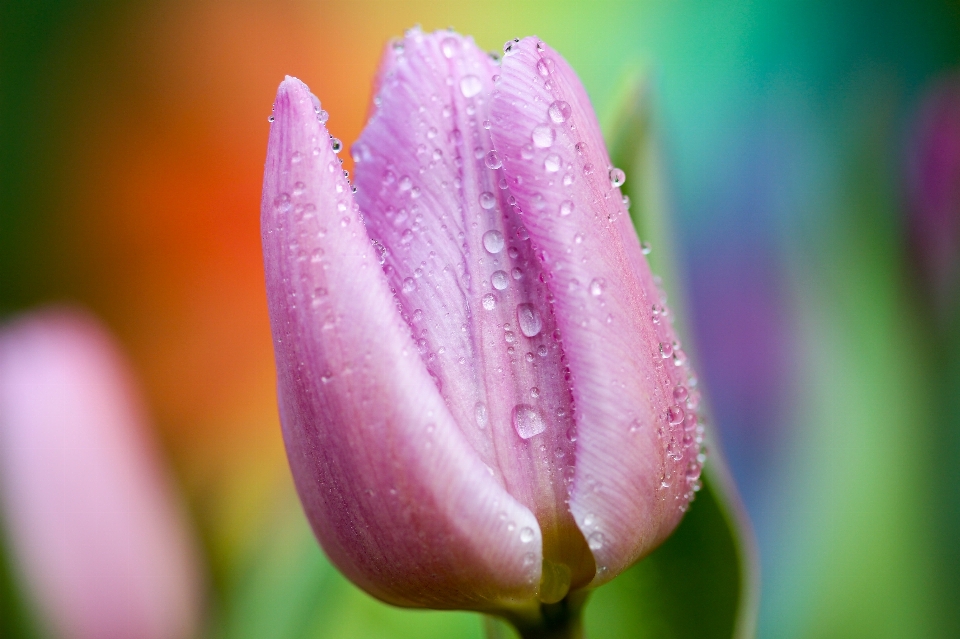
column 699, row 584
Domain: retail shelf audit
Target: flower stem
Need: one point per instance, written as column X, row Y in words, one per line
column 561, row 620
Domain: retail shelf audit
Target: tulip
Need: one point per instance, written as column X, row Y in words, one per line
column 483, row 401
column 93, row 526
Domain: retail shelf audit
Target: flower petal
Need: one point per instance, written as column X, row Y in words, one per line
column 396, row 495
column 630, row 487
column 92, row 520
column 434, row 197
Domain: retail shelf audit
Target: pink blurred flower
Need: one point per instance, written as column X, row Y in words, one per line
column 94, row 527
column 934, row 189
column 483, row 401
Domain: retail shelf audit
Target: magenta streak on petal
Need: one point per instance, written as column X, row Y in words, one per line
column 465, row 273
column 630, row 485
column 380, row 464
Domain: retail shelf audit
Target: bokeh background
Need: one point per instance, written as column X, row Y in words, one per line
column 808, row 153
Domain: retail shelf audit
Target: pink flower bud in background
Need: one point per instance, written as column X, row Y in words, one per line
column 94, row 527
column 933, row 183
column 483, row 399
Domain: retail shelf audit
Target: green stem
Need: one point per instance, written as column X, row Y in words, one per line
column 561, row 620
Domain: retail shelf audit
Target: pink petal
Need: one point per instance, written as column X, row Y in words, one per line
column 630, row 487
column 397, row 496
column 467, row 279
column 92, row 519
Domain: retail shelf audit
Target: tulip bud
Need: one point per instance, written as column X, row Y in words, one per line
column 91, row 520
column 483, row 400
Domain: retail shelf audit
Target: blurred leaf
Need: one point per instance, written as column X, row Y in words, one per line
column 16, row 620
column 699, row 584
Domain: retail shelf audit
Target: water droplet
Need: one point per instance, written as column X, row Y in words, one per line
column 588, row 169
column 487, row 200
column 517, row 274
column 645, row 248
column 526, row 535
column 566, row 208
column 542, row 350
column 552, row 163
column 529, row 319
column 336, row 145
column 675, row 415
column 666, row 350
column 596, row 287
column 528, row 421
column 323, row 116
column 578, row 238
column 617, row 177
column 543, row 136
column 589, row 520
column 595, row 541
column 409, row 285
column 449, row 47
column 470, row 86
column 559, row 111
column 480, row 414
column 270, row 118
column 544, row 66
column 406, row 183
column 626, row 202
column 492, row 160
column 499, row 280
column 680, row 393
column 493, row 241
column 489, row 301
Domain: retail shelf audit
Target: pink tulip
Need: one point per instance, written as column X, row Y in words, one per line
column 483, row 401
column 92, row 523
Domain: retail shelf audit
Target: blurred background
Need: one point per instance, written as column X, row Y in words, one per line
column 809, row 156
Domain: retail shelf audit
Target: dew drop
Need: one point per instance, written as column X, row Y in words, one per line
column 666, row 350
column 645, row 248
column 499, row 280
column 543, row 136
column 336, row 145
column 449, row 47
column 559, row 111
column 617, row 177
column 552, row 163
column 527, row 421
column 470, row 86
column 270, row 118
column 675, row 415
column 492, row 160
column 487, row 200
column 596, row 287
column 595, row 541
column 517, row 274
column 493, row 241
column 488, row 301
column 526, row 535
column 529, row 319
column 680, row 393
column 409, row 285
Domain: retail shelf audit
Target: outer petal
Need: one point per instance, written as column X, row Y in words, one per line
column 93, row 523
column 633, row 453
column 435, row 199
column 396, row 495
